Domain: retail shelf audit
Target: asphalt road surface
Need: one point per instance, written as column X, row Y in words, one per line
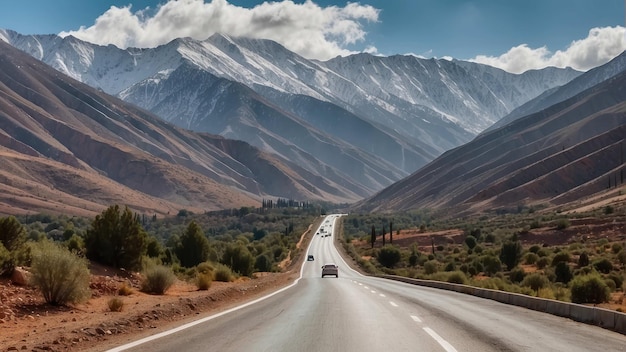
column 359, row 313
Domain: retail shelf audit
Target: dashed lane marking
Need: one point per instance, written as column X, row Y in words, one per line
column 416, row 319
column 445, row 344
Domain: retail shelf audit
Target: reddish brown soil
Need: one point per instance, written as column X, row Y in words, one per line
column 28, row 323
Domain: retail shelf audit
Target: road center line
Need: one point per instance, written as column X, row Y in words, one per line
column 382, row 295
column 445, row 344
column 393, row 304
column 416, row 319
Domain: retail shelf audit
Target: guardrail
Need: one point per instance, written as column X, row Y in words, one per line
column 604, row 318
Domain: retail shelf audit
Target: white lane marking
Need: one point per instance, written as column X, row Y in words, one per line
column 445, row 344
column 393, row 304
column 416, row 319
column 382, row 295
column 365, row 287
column 360, row 284
column 203, row 320
column 373, row 291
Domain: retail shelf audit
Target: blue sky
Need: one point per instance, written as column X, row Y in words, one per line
column 513, row 34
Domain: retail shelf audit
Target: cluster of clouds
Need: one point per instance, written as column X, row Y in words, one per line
column 312, row 31
column 599, row 47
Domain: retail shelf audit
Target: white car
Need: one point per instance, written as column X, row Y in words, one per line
column 330, row 269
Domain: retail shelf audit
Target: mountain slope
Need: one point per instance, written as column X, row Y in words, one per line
column 561, row 154
column 61, row 141
column 416, row 108
column 558, row 94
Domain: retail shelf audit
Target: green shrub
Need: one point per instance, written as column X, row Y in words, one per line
column 543, row 252
column 617, row 278
column 535, row 281
column 449, row 267
column 203, row 281
column 75, row 244
column 239, row 259
column 616, row 248
column 530, row 258
column 589, row 289
column 457, row 277
column 542, row 262
column 431, row 267
column 6, row 261
column 61, row 276
column 562, row 224
column 491, row 264
column 621, row 257
column 610, row 284
column 223, row 273
column 517, row 274
column 115, row 304
column 204, row 268
column 470, row 241
column 388, row 256
column 603, row 265
column 560, row 257
column 157, row 279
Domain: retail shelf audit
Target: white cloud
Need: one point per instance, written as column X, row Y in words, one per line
column 308, row 29
column 599, row 47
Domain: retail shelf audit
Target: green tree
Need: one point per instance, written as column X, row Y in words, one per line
column 510, row 253
column 263, row 263
column 192, row 247
column 414, row 257
column 117, row 238
column 12, row 233
column 373, row 236
column 563, row 272
column 583, row 259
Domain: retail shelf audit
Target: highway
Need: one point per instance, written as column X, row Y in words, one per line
column 359, row 313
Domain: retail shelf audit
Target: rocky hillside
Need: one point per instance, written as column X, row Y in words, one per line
column 569, row 151
column 66, row 147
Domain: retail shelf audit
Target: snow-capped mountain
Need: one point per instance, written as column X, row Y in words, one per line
column 375, row 119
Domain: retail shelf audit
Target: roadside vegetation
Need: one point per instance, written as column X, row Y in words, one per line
column 197, row 248
column 575, row 257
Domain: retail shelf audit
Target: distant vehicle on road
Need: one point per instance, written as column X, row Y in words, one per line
column 330, row 269
column 310, row 257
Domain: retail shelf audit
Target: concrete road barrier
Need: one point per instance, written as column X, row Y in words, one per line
column 608, row 319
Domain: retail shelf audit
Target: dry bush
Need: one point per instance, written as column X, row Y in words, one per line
column 60, row 275
column 203, row 281
column 115, row 304
column 125, row 290
column 157, row 279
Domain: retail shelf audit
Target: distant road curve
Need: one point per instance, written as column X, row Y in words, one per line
column 360, row 313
